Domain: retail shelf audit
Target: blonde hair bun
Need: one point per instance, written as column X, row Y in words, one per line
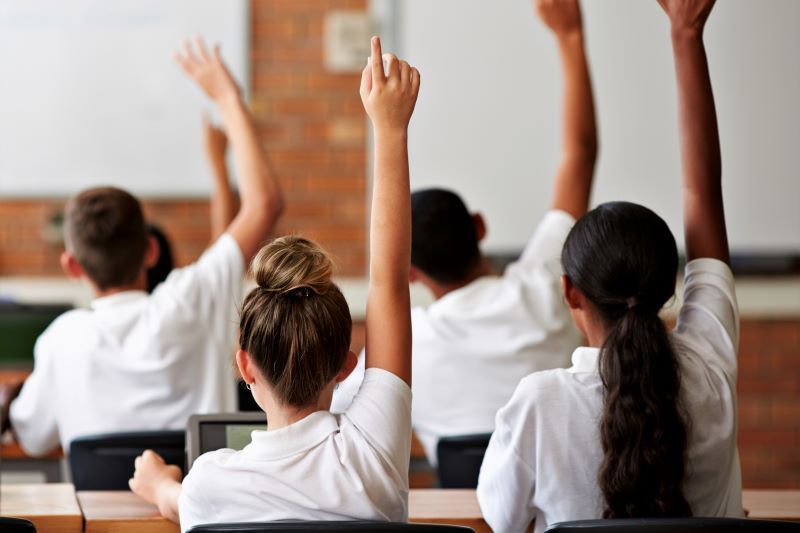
column 291, row 263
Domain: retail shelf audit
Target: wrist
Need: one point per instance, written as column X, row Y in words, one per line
column 684, row 32
column 391, row 133
column 570, row 37
column 229, row 101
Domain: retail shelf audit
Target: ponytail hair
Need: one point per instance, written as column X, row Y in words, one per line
column 295, row 325
column 622, row 257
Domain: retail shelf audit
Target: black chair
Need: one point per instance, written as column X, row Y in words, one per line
column 105, row 462
column 315, row 525
column 460, row 460
column 16, row 525
column 673, row 525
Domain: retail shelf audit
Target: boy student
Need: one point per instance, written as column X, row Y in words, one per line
column 484, row 333
column 136, row 361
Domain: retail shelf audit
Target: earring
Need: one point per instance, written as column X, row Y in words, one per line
column 248, row 386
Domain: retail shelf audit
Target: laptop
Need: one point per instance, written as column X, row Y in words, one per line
column 206, row 433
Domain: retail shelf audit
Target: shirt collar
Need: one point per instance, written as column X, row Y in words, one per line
column 118, row 299
column 294, row 438
column 584, row 359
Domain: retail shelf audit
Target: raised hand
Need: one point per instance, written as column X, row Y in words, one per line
column 687, row 14
column 207, row 70
column 563, row 17
column 389, row 98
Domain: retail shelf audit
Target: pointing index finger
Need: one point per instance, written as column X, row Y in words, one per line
column 377, row 62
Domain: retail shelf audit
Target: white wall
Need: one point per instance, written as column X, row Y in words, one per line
column 89, row 93
column 487, row 121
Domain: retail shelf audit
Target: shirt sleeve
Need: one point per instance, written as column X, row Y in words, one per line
column 212, row 286
column 32, row 415
column 506, row 483
column 381, row 410
column 709, row 317
column 545, row 246
column 192, row 507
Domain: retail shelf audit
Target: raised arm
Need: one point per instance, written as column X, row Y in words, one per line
column 223, row 199
column 579, row 137
column 262, row 201
column 389, row 100
column 703, row 214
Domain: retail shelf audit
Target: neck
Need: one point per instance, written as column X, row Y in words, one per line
column 482, row 269
column 280, row 417
column 139, row 285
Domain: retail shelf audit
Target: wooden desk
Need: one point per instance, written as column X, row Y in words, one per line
column 52, row 508
column 452, row 506
column 121, row 512
column 772, row 504
column 124, row 512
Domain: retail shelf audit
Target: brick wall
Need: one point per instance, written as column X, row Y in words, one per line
column 312, row 125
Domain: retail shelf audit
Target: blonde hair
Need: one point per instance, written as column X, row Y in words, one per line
column 295, row 324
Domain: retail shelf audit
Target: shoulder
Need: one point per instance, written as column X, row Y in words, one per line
column 204, row 474
column 65, row 327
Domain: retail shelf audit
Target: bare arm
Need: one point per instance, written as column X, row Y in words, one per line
column 223, row 199
column 262, row 200
column 389, row 101
column 158, row 483
column 701, row 162
column 573, row 183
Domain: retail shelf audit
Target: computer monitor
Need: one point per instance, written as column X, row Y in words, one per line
column 206, row 433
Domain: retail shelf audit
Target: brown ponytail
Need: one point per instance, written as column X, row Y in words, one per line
column 296, row 324
column 623, row 258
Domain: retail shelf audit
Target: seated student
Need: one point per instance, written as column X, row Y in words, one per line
column 484, row 333
column 644, row 422
column 223, row 204
column 135, row 361
column 295, row 346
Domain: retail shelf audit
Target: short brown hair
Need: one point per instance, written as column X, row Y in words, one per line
column 296, row 324
column 104, row 228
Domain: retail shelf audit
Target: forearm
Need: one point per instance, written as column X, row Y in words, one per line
column 704, row 219
column 259, row 191
column 223, row 199
column 579, row 134
column 167, row 497
column 388, row 307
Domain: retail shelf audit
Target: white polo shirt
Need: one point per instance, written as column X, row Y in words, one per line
column 544, row 457
column 136, row 361
column 473, row 346
column 352, row 466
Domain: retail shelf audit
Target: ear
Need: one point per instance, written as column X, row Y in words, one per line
column 70, row 265
column 480, row 226
column 413, row 274
column 572, row 295
column 349, row 365
column 245, row 366
column 152, row 252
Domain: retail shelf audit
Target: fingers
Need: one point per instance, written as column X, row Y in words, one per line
column 392, row 66
column 366, row 81
column 415, row 79
column 405, row 73
column 200, row 45
column 377, row 62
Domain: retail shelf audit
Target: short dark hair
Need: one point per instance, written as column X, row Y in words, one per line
column 444, row 243
column 165, row 263
column 104, row 229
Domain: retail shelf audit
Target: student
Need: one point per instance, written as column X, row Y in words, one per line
column 223, row 204
column 485, row 332
column 295, row 337
column 135, row 361
column 644, row 422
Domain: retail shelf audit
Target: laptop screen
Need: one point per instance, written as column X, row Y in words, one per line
column 226, row 434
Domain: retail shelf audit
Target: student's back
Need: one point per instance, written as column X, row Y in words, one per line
column 133, row 361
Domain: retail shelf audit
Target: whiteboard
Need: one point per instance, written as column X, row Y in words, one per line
column 90, row 94
column 487, row 122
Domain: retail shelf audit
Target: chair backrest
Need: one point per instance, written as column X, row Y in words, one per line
column 105, row 462
column 16, row 525
column 673, row 525
column 460, row 460
column 292, row 526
